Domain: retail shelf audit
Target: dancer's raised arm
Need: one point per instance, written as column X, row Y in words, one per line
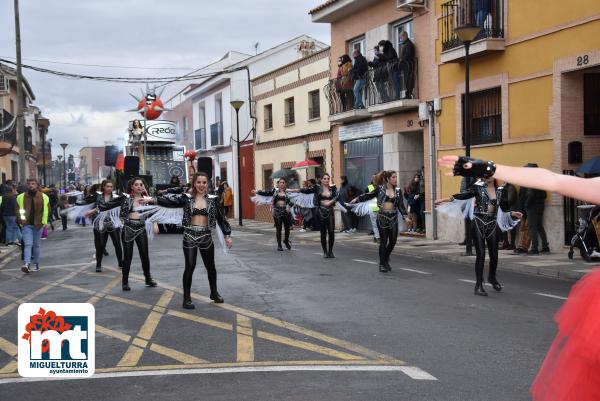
column 585, row 189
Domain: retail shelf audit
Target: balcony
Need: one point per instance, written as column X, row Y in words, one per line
column 200, row 139
column 7, row 121
column 391, row 88
column 216, row 134
column 387, row 89
column 486, row 14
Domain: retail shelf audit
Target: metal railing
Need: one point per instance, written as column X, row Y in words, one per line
column 216, row 134
column 200, row 138
column 391, row 81
column 6, row 118
column 395, row 80
column 486, row 14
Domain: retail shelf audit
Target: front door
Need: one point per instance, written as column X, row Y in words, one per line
column 247, row 175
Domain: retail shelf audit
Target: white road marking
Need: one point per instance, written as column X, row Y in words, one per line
column 365, row 261
column 542, row 294
column 472, row 282
column 413, row 270
column 411, row 371
column 583, row 270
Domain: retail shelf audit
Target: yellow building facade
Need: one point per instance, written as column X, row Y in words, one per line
column 292, row 125
column 534, row 81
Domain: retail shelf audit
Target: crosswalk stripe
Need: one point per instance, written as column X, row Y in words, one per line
column 413, row 270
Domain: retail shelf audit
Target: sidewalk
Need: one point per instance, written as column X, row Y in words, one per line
column 556, row 265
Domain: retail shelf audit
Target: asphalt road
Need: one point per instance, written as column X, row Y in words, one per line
column 294, row 326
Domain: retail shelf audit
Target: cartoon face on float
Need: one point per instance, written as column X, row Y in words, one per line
column 152, row 106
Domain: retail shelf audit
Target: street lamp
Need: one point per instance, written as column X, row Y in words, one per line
column 59, row 157
column 237, row 105
column 64, row 146
column 467, row 33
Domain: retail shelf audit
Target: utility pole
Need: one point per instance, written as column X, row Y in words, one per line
column 20, row 105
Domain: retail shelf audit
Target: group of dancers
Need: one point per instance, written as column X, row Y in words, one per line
column 133, row 218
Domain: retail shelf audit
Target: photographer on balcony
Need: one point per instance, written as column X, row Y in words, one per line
column 407, row 64
column 358, row 73
column 344, row 83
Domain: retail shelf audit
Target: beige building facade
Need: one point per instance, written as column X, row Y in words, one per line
column 292, row 122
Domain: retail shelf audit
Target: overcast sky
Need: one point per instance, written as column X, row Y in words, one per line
column 183, row 34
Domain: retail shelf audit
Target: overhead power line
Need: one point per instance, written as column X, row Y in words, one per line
column 102, row 65
column 138, row 80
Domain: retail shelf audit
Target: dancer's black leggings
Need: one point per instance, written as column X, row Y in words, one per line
column 141, row 240
column 327, row 228
column 282, row 220
column 480, row 242
column 388, row 235
column 190, row 253
column 100, row 240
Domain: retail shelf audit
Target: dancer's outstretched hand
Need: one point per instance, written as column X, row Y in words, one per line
column 468, row 167
column 229, row 242
column 518, row 215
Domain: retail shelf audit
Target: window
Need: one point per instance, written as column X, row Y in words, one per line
column 314, row 106
column 289, row 111
column 267, row 172
column 200, row 133
column 591, row 104
column 486, row 116
column 402, row 26
column 14, row 170
column 358, row 43
column 223, row 169
column 268, row 110
column 218, row 108
column 12, row 107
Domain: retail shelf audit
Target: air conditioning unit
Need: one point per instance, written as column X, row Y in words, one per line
column 409, row 5
column 4, row 88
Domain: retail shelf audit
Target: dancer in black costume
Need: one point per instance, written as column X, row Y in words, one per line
column 281, row 204
column 134, row 229
column 106, row 223
column 201, row 214
column 390, row 203
column 325, row 198
column 490, row 202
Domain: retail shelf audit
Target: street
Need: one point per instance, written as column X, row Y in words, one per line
column 293, row 326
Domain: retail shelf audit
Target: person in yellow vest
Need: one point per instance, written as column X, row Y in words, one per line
column 32, row 216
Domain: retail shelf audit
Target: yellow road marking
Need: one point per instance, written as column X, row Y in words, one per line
column 102, row 293
column 8, row 347
column 201, row 320
column 112, row 333
column 306, row 345
column 7, row 296
column 245, row 339
column 128, row 301
column 236, row 364
column 10, row 367
column 77, row 289
column 39, row 291
column 131, row 357
column 174, row 354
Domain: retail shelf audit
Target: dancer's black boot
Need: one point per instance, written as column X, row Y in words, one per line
column 479, row 289
column 125, row 281
column 495, row 284
column 214, row 294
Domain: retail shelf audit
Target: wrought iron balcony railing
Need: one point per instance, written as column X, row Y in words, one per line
column 486, row 14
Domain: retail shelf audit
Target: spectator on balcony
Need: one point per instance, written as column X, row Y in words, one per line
column 344, row 83
column 482, row 9
column 358, row 73
column 380, row 75
column 389, row 64
column 407, row 64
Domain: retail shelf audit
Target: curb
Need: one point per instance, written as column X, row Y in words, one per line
column 506, row 265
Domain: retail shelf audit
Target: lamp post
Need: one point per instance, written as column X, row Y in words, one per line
column 237, row 105
column 64, row 146
column 467, row 33
column 59, row 157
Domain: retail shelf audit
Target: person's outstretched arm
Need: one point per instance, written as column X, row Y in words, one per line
column 585, row 189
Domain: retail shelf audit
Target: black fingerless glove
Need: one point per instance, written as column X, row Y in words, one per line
column 479, row 169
